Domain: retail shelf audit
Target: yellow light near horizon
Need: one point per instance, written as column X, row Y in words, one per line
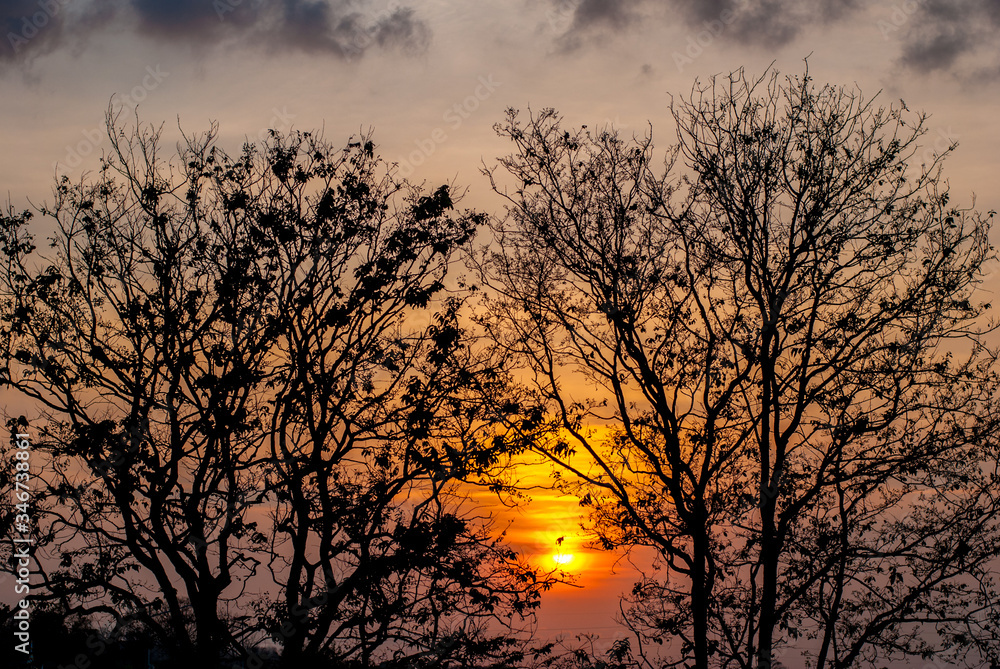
column 562, row 559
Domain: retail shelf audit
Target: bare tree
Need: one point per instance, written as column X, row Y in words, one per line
column 794, row 405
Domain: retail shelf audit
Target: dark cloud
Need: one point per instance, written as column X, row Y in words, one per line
column 934, row 48
column 404, row 31
column 587, row 21
column 950, row 35
column 339, row 27
column 834, row 10
column 33, row 28
column 768, row 23
column 758, row 22
column 959, row 36
column 184, row 19
column 313, row 26
column 604, row 13
column 342, row 28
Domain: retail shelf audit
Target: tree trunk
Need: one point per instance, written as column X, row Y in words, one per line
column 210, row 642
column 701, row 589
column 769, row 589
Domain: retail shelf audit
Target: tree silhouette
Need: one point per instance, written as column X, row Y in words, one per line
column 794, row 405
column 248, row 365
column 372, row 408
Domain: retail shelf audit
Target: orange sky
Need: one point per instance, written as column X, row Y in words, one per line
column 599, row 577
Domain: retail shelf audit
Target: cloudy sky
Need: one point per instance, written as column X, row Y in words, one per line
column 408, row 70
column 432, row 77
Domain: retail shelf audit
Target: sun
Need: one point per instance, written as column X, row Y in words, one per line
column 562, row 559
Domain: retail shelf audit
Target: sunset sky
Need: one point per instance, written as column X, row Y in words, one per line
column 431, row 78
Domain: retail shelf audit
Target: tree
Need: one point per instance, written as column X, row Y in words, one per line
column 148, row 357
column 247, row 361
column 795, row 405
column 371, row 410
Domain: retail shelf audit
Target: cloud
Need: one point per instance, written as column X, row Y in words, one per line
column 833, row 10
column 31, row 28
column 935, row 48
column 404, row 31
column 340, row 28
column 604, row 13
column 958, row 36
column 23, row 35
column 184, row 19
column 767, row 23
column 756, row 22
column 578, row 22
